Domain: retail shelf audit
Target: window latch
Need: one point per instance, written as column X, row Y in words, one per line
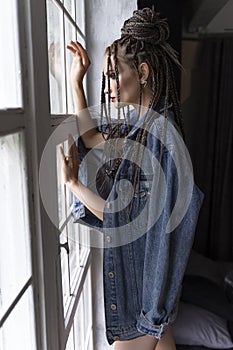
column 65, row 246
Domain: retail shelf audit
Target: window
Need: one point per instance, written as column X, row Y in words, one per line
column 17, row 317
column 65, row 22
column 44, row 270
column 81, row 335
column 10, row 78
column 16, row 298
column 75, row 267
column 62, row 26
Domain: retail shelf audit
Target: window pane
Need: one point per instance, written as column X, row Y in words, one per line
column 90, row 342
column 18, row 331
column 83, row 318
column 70, row 342
column 56, row 58
column 15, row 262
column 60, row 188
column 10, row 69
column 79, row 326
column 73, row 233
column 84, row 240
column 69, row 5
column 87, row 306
column 69, row 35
column 64, row 256
column 80, row 15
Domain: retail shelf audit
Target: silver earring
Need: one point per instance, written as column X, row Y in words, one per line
column 144, row 83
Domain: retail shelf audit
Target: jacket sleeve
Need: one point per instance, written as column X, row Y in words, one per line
column 88, row 165
column 168, row 241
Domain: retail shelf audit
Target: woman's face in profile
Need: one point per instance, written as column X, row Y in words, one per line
column 128, row 81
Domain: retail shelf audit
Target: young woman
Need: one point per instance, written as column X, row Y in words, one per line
column 146, row 172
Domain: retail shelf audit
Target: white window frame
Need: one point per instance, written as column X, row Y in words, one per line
column 35, row 119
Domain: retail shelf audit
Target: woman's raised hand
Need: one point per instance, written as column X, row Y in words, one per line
column 70, row 166
column 80, row 63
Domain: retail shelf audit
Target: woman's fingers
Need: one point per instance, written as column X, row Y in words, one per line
column 65, row 158
column 70, row 164
column 69, row 47
column 76, row 47
column 73, row 151
column 83, row 51
column 75, row 52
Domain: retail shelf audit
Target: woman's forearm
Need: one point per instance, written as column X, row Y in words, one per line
column 92, row 201
column 90, row 136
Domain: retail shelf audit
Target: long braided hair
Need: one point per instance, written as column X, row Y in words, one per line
column 143, row 39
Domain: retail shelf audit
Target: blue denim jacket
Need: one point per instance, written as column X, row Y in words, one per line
column 147, row 247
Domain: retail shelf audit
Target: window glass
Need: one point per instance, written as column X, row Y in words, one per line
column 69, row 35
column 79, row 325
column 56, row 58
column 87, row 305
column 73, row 259
column 73, row 237
column 80, row 15
column 84, row 239
column 15, row 261
column 10, row 77
column 90, row 342
column 64, row 256
column 70, row 345
column 60, row 188
column 69, row 5
column 83, row 318
column 17, row 331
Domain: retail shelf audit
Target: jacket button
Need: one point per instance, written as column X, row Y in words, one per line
column 113, row 307
column 108, row 239
column 111, row 274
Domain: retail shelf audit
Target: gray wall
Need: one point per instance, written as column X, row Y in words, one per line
column 104, row 19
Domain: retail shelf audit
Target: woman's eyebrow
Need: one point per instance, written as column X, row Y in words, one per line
column 109, row 72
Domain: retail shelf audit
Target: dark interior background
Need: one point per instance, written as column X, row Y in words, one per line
column 206, row 87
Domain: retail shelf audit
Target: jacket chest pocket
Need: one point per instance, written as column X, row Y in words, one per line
column 143, row 188
column 135, row 200
column 140, row 202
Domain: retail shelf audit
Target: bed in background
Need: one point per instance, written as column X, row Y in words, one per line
column 205, row 316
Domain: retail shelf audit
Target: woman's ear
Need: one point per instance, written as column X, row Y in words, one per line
column 144, row 71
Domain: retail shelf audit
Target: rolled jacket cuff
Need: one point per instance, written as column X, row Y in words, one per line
column 147, row 327
column 78, row 211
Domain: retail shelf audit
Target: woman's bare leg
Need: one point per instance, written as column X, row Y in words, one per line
column 167, row 342
column 145, row 342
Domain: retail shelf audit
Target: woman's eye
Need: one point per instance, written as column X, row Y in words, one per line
column 112, row 75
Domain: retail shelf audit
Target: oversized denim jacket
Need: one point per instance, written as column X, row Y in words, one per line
column 146, row 248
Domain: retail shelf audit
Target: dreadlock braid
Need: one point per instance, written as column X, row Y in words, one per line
column 146, row 25
column 118, row 86
column 144, row 39
column 145, row 35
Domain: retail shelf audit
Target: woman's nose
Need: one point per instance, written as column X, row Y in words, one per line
column 107, row 90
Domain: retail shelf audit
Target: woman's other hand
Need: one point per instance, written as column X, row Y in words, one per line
column 55, row 61
column 70, row 165
column 80, row 63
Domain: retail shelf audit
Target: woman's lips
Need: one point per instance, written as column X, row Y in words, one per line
column 113, row 99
